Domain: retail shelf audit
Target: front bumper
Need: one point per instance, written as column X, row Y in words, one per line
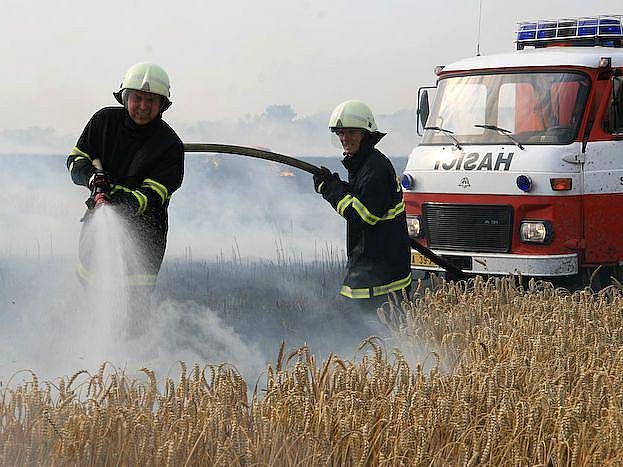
column 501, row 263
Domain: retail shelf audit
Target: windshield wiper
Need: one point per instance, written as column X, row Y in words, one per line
column 501, row 131
column 448, row 133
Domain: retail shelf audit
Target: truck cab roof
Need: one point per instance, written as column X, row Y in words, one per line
column 587, row 57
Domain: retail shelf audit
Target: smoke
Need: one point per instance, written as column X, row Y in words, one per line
column 39, row 208
column 34, row 140
column 54, row 325
column 235, row 206
column 254, row 257
column 278, row 127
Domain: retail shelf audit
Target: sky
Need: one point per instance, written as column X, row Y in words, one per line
column 231, row 60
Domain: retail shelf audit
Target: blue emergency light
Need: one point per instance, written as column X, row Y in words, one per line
column 610, row 26
column 407, row 181
column 524, row 183
column 587, row 27
column 606, row 31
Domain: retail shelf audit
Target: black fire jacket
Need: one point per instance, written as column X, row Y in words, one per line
column 146, row 161
column 378, row 247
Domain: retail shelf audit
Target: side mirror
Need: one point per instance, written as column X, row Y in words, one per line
column 423, row 108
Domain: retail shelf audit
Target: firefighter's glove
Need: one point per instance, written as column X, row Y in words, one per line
column 125, row 202
column 100, row 181
column 322, row 179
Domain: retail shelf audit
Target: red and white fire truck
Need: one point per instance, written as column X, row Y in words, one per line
column 520, row 166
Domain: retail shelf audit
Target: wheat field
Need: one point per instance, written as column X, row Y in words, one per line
column 512, row 375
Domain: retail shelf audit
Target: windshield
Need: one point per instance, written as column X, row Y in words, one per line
column 535, row 108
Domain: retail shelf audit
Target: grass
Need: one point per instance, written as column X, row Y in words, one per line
column 513, row 376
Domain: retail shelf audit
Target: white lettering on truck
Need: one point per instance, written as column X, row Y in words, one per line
column 474, row 161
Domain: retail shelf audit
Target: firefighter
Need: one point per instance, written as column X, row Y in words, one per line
column 371, row 202
column 142, row 164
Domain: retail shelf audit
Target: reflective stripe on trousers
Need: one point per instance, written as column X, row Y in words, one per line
column 378, row 290
column 130, row 280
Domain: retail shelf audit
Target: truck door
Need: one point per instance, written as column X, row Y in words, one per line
column 603, row 177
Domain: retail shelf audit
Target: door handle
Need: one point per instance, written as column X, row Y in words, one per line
column 574, row 158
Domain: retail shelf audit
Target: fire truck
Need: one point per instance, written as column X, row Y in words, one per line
column 520, row 166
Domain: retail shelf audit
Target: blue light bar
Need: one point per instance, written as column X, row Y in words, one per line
column 582, row 31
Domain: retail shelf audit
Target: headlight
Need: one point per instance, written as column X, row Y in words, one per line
column 535, row 231
column 414, row 226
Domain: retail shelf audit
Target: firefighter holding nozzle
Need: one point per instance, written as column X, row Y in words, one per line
column 129, row 157
column 377, row 242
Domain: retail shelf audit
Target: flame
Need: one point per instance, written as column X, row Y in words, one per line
column 286, row 173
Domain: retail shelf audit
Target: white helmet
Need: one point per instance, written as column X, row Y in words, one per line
column 352, row 114
column 147, row 77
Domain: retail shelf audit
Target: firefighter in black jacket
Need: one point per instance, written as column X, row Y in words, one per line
column 142, row 164
column 371, row 202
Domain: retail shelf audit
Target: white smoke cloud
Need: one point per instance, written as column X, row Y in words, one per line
column 278, row 127
column 266, row 226
column 50, row 323
column 35, row 140
column 54, row 327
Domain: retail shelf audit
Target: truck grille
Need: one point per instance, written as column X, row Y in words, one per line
column 482, row 228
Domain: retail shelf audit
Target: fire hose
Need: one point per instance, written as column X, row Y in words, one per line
column 312, row 169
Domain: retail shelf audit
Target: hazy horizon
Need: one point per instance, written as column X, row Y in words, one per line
column 230, row 62
column 278, row 127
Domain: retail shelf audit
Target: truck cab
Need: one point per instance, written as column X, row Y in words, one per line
column 520, row 165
